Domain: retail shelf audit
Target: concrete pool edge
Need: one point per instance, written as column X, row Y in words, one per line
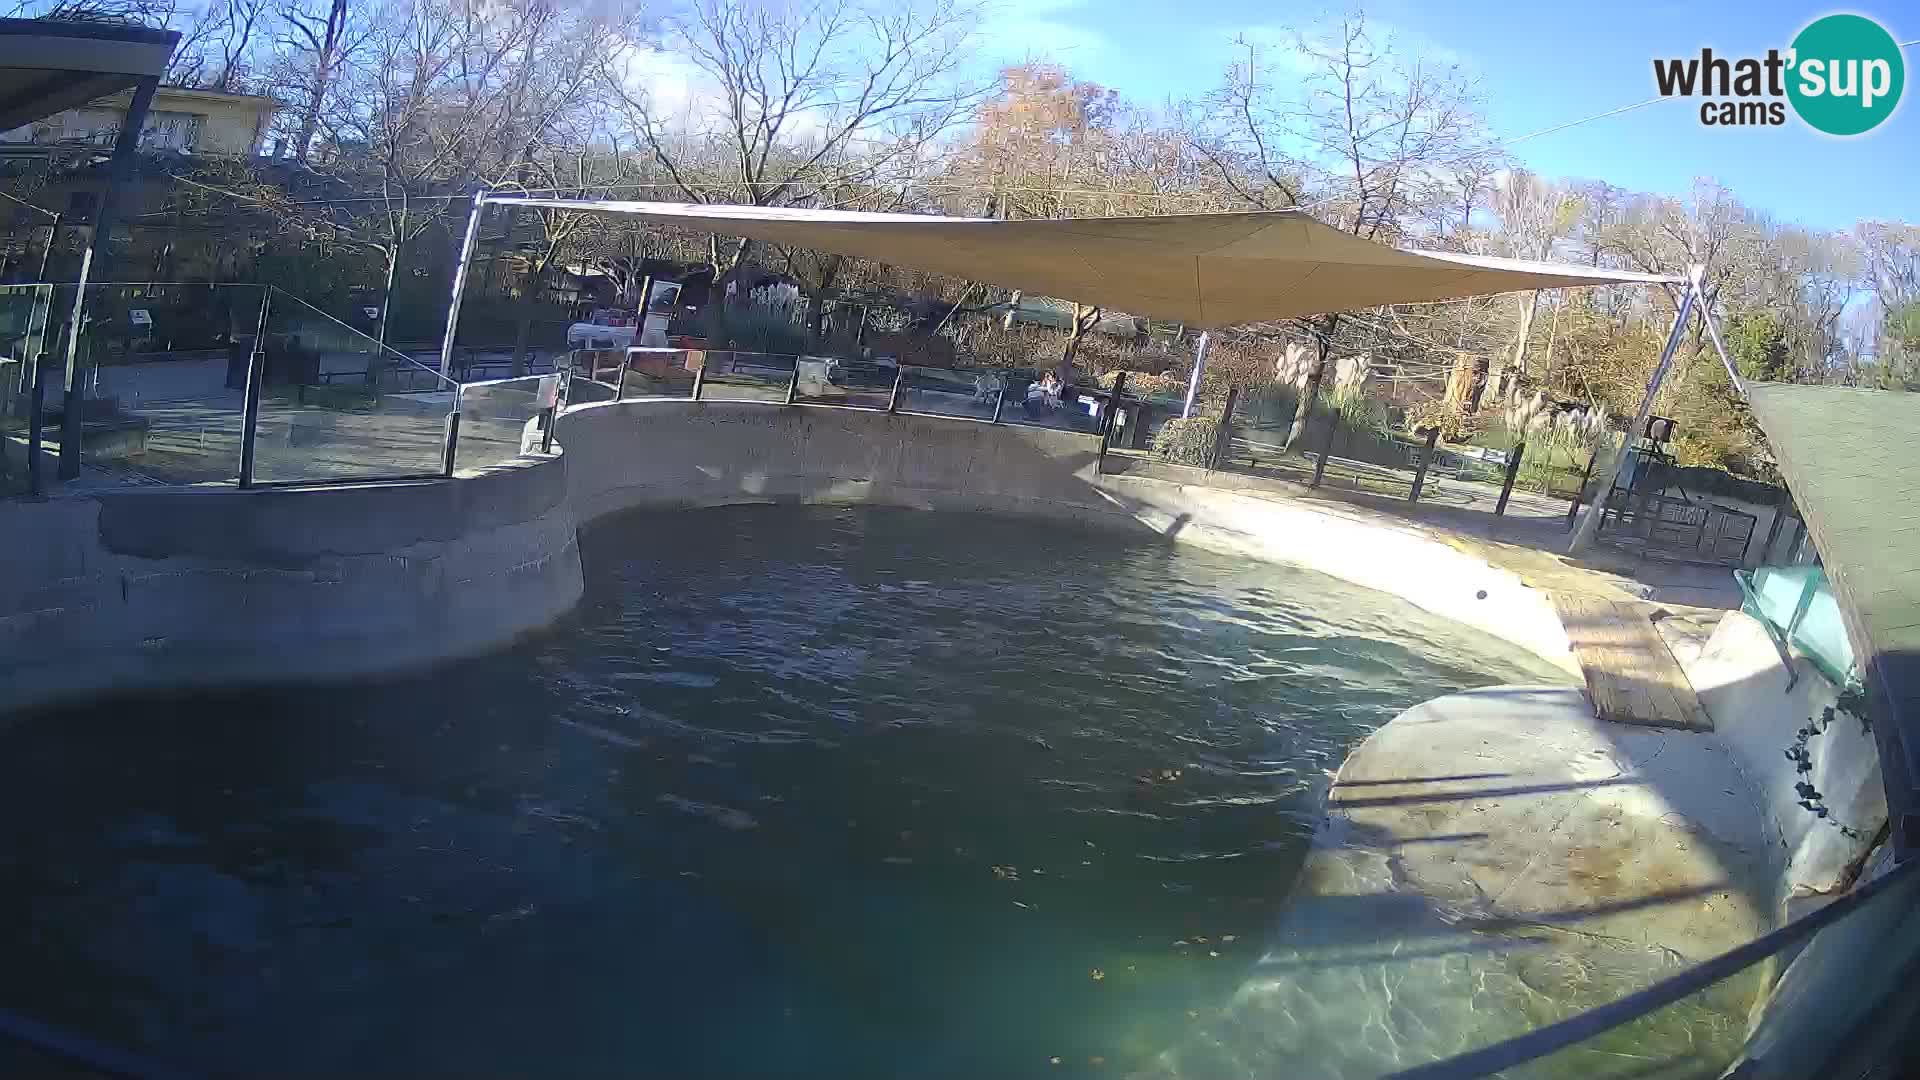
column 664, row 453
column 156, row 590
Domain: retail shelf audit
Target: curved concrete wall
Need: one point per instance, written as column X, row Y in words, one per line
column 679, row 453
column 177, row 587
column 172, row 587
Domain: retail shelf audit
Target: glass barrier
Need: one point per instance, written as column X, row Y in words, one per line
column 498, row 420
column 162, row 369
column 834, row 380
column 332, row 408
column 969, row 392
column 656, row 373
column 1798, row 605
column 24, row 314
column 744, row 376
column 1031, row 401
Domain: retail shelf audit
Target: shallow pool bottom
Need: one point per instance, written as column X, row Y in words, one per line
column 797, row 792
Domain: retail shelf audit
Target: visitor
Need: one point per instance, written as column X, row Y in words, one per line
column 1043, row 395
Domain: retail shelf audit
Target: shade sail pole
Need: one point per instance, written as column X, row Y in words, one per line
column 1713, row 331
column 1199, row 367
column 1590, row 525
column 460, row 288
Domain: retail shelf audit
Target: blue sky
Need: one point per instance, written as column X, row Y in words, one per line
column 1535, row 67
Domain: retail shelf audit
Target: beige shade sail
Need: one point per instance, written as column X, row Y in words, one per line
column 1206, row 270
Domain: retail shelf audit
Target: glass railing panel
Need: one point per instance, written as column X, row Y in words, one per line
column 338, row 405
column 744, row 376
column 501, row 418
column 1033, row 402
column 968, row 392
column 162, row 372
column 656, row 373
column 836, row 380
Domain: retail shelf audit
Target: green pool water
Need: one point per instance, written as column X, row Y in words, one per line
column 797, row 792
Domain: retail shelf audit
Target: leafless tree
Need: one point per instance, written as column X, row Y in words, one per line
column 811, row 102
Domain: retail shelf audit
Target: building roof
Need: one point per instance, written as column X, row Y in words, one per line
column 1852, row 460
column 47, row 67
column 1205, row 270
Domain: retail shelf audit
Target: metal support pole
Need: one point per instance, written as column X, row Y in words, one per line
column 1426, row 458
column 793, row 383
column 999, row 399
column 256, row 385
column 1513, row 470
column 36, row 415
column 1713, row 331
column 699, row 376
column 1106, row 422
column 1326, row 444
column 53, row 234
column 1193, row 381
column 1573, row 512
column 70, row 417
column 893, row 399
column 460, row 285
column 453, row 439
column 100, row 253
column 1590, row 525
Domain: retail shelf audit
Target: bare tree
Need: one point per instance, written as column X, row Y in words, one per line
column 810, row 103
column 1366, row 144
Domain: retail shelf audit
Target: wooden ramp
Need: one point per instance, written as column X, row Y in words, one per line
column 1632, row 678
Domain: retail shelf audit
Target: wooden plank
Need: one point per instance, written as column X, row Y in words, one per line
column 1631, row 676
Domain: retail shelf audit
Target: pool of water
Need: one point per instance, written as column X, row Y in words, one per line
column 823, row 792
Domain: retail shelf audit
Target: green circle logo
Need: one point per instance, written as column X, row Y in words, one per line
column 1846, row 74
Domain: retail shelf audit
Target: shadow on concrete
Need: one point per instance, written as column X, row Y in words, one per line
column 1420, row 779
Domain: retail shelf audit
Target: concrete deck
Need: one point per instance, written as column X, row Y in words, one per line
column 1495, row 860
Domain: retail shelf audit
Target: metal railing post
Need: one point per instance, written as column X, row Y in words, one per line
column 1426, row 458
column 453, row 438
column 1513, row 470
column 1573, row 512
column 256, row 385
column 1106, row 422
column 1326, row 444
column 999, row 399
column 699, row 376
column 36, row 416
column 793, row 382
column 893, row 399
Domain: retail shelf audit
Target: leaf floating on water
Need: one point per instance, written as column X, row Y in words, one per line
column 1096, row 1061
column 1193, row 1014
column 1211, row 952
column 1097, row 974
column 1227, row 937
column 1053, row 1061
column 1018, row 904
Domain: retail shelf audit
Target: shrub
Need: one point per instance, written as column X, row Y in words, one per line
column 752, row 328
column 1454, row 424
column 1188, row 441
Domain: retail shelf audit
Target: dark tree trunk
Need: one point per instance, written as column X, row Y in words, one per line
column 1303, row 409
